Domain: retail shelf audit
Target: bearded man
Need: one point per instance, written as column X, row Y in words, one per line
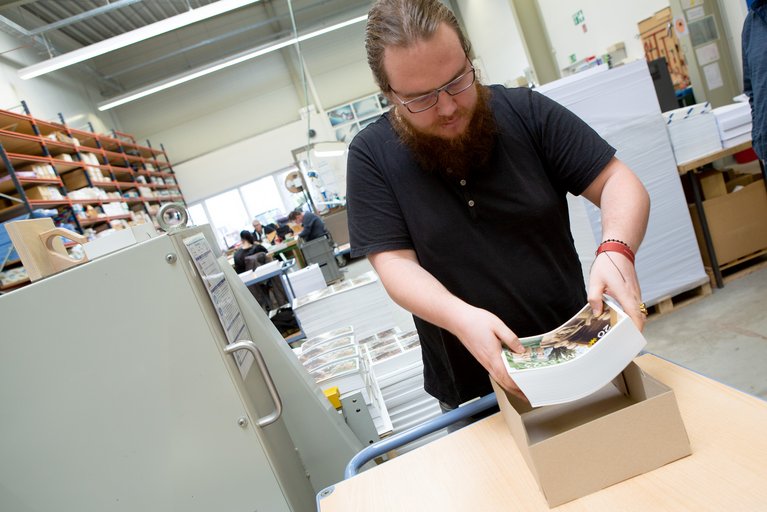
column 493, row 165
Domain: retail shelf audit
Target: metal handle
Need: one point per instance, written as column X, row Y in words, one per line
column 253, row 349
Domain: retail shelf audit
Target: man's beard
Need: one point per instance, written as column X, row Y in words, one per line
column 457, row 157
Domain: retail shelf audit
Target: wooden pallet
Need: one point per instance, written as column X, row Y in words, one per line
column 739, row 268
column 679, row 300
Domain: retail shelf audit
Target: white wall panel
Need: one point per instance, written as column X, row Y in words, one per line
column 608, row 22
column 245, row 161
column 492, row 29
column 219, row 109
column 63, row 92
column 338, row 66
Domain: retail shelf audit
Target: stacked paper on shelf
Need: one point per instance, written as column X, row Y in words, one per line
column 388, row 351
column 576, row 359
column 396, row 366
column 360, row 302
column 693, row 131
column 348, row 375
column 734, row 123
column 334, row 359
column 266, row 268
column 307, row 280
column 669, row 261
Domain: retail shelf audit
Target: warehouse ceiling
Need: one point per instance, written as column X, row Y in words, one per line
column 55, row 27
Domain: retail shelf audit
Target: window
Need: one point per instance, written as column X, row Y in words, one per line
column 232, row 211
column 228, row 217
column 262, row 200
column 198, row 215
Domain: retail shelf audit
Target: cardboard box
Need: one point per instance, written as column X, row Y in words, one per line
column 736, row 222
column 41, row 192
column 74, row 179
column 740, row 180
column 712, row 183
column 629, row 427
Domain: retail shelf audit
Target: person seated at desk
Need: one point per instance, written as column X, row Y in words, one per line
column 312, row 224
column 270, row 294
column 270, row 232
column 250, row 256
column 248, row 247
column 258, row 231
column 284, row 231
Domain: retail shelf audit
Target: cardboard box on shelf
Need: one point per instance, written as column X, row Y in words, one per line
column 629, row 427
column 42, row 192
column 740, row 180
column 736, row 223
column 712, row 183
column 74, row 179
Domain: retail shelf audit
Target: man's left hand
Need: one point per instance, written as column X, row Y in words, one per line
column 613, row 274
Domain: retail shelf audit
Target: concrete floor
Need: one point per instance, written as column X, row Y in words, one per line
column 722, row 336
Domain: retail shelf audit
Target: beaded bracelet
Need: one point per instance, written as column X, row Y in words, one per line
column 616, row 246
column 618, row 241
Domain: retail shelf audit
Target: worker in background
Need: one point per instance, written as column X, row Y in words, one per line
column 493, row 164
column 755, row 73
column 248, row 247
column 312, row 224
column 258, row 231
column 284, row 231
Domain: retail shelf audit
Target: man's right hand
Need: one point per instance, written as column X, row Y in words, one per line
column 416, row 290
column 484, row 335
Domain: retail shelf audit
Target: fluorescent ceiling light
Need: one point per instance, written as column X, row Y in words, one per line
column 217, row 66
column 134, row 36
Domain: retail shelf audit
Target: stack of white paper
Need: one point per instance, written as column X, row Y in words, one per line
column 734, row 123
column 577, row 359
column 693, row 131
column 335, row 359
column 360, row 302
column 306, row 280
column 669, row 262
column 395, row 362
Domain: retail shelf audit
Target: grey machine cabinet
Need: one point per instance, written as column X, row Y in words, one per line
column 118, row 394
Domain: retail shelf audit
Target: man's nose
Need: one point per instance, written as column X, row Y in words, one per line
column 446, row 104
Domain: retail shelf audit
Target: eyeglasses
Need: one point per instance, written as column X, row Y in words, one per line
column 453, row 88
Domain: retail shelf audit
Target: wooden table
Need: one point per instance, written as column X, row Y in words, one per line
column 689, row 169
column 291, row 248
column 479, row 468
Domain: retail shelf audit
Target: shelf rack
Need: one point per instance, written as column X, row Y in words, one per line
column 141, row 176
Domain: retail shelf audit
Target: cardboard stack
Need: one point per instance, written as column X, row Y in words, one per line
column 693, row 131
column 360, row 302
column 669, row 261
column 734, row 122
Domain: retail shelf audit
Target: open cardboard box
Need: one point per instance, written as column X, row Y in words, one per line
column 736, row 223
column 629, row 427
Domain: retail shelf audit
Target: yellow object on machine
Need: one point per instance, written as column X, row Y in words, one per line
column 334, row 396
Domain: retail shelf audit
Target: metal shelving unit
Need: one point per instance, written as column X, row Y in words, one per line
column 137, row 176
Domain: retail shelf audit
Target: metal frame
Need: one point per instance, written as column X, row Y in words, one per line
column 390, row 443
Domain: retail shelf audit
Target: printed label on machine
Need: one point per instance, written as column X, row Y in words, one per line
column 221, row 295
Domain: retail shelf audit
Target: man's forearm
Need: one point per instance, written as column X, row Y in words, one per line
column 416, row 290
column 624, row 203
